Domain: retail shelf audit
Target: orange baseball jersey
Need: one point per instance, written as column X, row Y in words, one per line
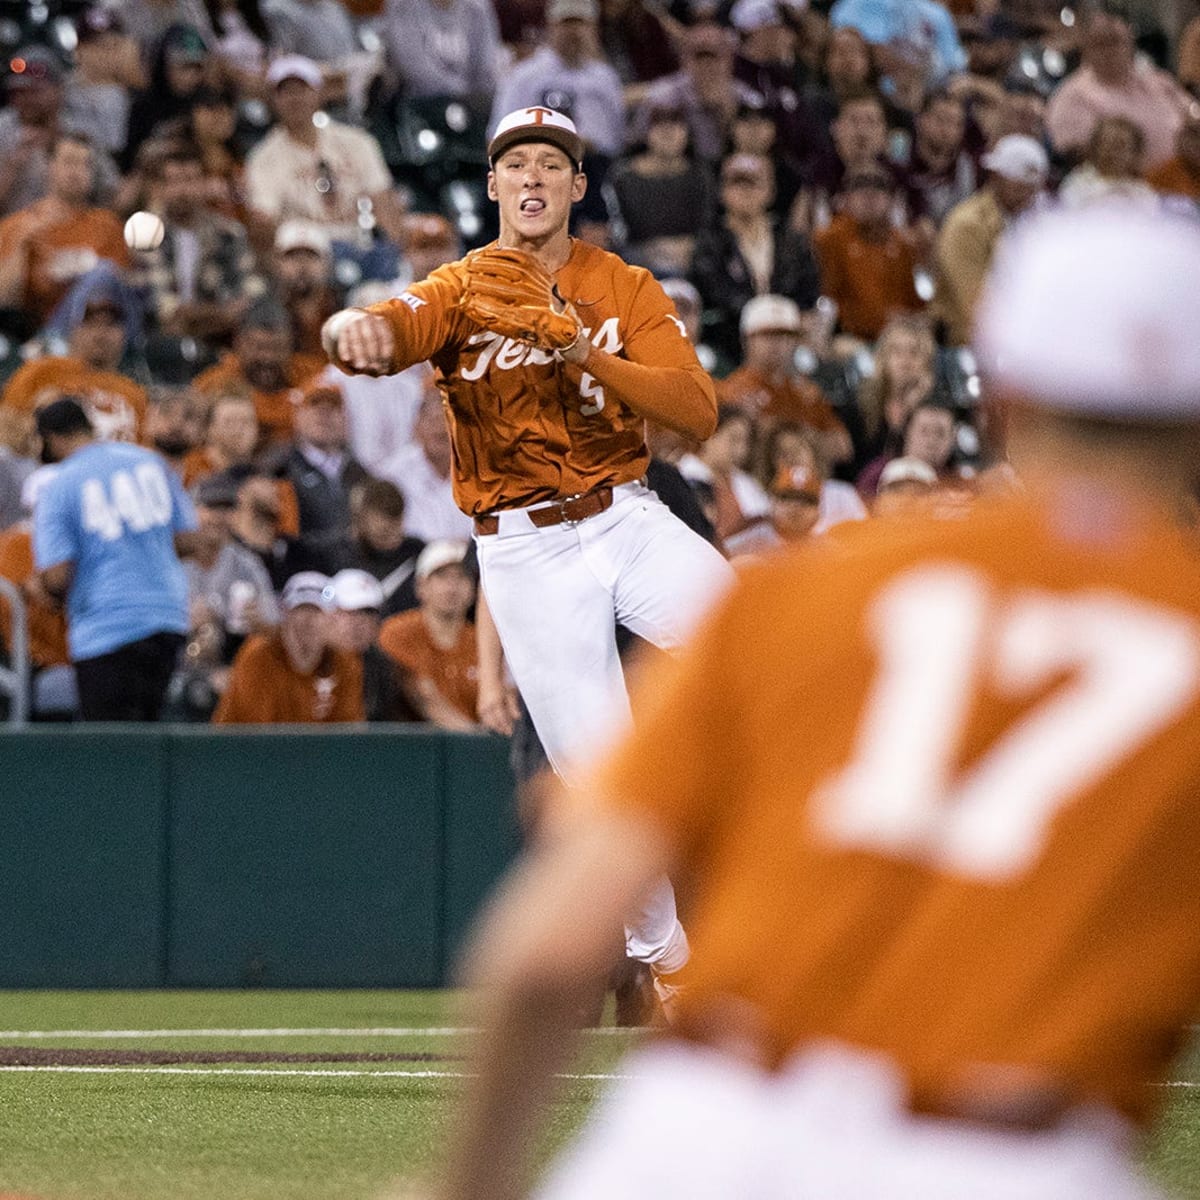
column 60, row 253
column 265, row 689
column 799, row 400
column 405, row 639
column 525, row 427
column 112, row 399
column 939, row 796
column 47, row 626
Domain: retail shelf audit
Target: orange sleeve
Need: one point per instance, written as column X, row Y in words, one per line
column 660, row 377
column 425, row 317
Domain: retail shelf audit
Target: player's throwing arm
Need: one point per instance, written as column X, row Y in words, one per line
column 360, row 340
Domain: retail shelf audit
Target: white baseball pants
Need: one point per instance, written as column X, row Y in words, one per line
column 555, row 595
column 688, row 1123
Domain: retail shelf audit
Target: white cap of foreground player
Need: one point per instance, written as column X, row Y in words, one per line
column 1096, row 312
column 537, row 125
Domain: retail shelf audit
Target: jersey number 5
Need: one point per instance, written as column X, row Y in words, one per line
column 1128, row 669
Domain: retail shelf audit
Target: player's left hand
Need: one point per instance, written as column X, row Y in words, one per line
column 512, row 294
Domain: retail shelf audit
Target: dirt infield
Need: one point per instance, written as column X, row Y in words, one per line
column 28, row 1056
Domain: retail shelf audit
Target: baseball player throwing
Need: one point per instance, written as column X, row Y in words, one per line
column 550, row 355
column 936, row 804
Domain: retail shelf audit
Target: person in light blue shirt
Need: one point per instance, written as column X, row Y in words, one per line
column 107, row 535
column 920, row 31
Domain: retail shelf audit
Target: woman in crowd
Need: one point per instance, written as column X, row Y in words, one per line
column 905, row 373
column 663, row 194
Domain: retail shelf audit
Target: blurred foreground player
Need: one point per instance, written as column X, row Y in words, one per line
column 935, row 812
column 549, row 453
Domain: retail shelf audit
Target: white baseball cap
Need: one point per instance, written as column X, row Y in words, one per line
column 1018, row 157
column 1096, row 311
column 907, row 470
column 537, row 124
column 297, row 234
column 308, row 587
column 355, row 590
column 295, row 66
column 439, row 554
column 770, row 314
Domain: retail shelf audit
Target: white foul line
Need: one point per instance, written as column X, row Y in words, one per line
column 382, row 1031
column 72, row 1070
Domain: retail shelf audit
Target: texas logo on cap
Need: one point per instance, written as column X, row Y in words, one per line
column 537, row 125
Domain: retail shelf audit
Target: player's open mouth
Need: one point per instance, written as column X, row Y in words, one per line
column 532, row 205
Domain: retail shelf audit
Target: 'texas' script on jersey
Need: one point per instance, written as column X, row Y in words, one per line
column 525, row 426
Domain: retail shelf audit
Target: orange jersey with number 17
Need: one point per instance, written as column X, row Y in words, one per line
column 940, row 797
column 524, row 426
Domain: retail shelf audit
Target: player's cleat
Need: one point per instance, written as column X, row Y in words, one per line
column 637, row 1001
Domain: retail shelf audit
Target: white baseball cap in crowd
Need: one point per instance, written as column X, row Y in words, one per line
column 302, row 235
column 307, row 587
column 573, row 10
column 537, row 124
column 439, row 554
column 907, row 470
column 770, row 314
column 355, row 590
column 294, row 66
column 1018, row 157
column 1096, row 311
column 748, row 15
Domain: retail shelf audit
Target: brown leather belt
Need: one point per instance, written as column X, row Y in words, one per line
column 570, row 510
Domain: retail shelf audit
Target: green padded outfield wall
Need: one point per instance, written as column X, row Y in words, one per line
column 188, row 857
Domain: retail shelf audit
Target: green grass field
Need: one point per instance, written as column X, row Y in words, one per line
column 265, row 1095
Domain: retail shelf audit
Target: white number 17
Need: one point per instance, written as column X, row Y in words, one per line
column 1128, row 668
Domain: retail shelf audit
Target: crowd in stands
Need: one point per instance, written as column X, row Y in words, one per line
column 818, row 185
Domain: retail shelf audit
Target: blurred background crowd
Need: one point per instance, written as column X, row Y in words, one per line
column 819, row 186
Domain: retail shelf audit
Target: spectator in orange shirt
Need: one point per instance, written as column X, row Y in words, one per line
column 1180, row 175
column 434, row 644
column 90, row 370
column 45, row 247
column 867, row 264
column 358, row 601
column 769, row 386
column 294, row 675
column 262, row 363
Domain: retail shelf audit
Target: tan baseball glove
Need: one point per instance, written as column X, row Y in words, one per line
column 511, row 293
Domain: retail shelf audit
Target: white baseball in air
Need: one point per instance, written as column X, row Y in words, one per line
column 144, row 231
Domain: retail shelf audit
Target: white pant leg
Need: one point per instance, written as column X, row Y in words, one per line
column 686, row 1124
column 665, row 576
column 689, row 1124
column 554, row 595
column 555, row 622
